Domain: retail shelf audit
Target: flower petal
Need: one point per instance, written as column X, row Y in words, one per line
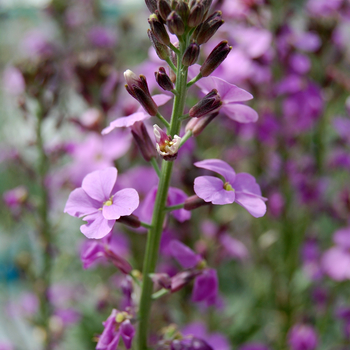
column 161, row 99
column 175, row 197
column 124, row 203
column 220, row 167
column 253, row 203
column 80, row 204
column 186, row 257
column 211, row 189
column 206, row 287
column 336, row 263
column 99, row 184
column 125, row 122
column 127, row 331
column 245, row 182
column 240, row 113
column 97, row 226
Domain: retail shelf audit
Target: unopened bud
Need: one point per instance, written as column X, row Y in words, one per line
column 208, row 28
column 206, row 4
column 161, row 50
column 197, row 125
column 196, row 13
column 167, row 146
column 181, row 279
column 162, row 279
column 137, row 87
column 152, row 5
column 158, row 29
column 208, row 104
column 163, row 80
column 216, row 57
column 130, row 220
column 118, row 261
column 175, row 24
column 183, row 10
column 194, row 202
column 164, row 9
column 143, row 141
column 191, row 54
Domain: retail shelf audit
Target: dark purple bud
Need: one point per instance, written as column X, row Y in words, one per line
column 197, row 125
column 143, row 141
column 130, row 220
column 181, row 279
column 194, row 202
column 127, row 287
column 207, row 29
column 206, row 4
column 137, row 87
column 216, row 57
column 161, row 50
column 196, row 15
column 163, row 80
column 164, row 9
column 162, row 279
column 208, row 104
column 152, row 5
column 127, row 331
column 191, row 54
column 199, row 344
column 175, row 24
column 158, row 29
column 183, row 10
column 118, row 261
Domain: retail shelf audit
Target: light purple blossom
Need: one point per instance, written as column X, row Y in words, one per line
column 99, row 204
column 302, row 337
column 231, row 97
column 240, row 188
column 140, row 115
column 205, row 288
column 253, row 346
column 184, row 255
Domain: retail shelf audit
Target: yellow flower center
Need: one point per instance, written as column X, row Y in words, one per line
column 108, row 203
column 228, row 187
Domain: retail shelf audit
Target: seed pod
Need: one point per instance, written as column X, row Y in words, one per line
column 191, row 54
column 163, row 80
column 161, row 50
column 208, row 104
column 197, row 125
column 194, row 201
column 175, row 24
column 216, row 57
column 164, row 9
column 159, row 30
column 208, row 28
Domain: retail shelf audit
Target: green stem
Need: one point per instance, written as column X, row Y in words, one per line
column 154, row 234
column 174, row 207
column 185, row 138
column 171, row 65
column 176, row 50
column 155, row 166
column 163, row 120
column 160, row 293
column 194, row 80
column 144, row 224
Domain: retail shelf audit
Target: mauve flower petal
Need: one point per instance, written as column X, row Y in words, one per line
column 99, row 184
column 124, row 203
column 127, row 331
column 228, row 92
column 92, row 250
column 254, row 204
column 161, row 99
column 205, row 286
column 108, row 333
column 210, row 189
column 175, row 197
column 80, row 204
column 186, row 257
column 125, row 122
column 240, row 113
column 97, row 226
column 342, row 237
column 114, row 343
column 245, row 182
column 220, row 167
column 336, row 264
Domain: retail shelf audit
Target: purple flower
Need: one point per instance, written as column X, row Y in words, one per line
column 206, row 287
column 253, row 346
column 240, row 188
column 184, row 255
column 95, row 202
column 117, row 325
column 230, row 96
column 302, row 337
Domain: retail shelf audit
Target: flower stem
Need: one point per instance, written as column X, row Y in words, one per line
column 174, row 207
column 154, row 234
column 155, row 166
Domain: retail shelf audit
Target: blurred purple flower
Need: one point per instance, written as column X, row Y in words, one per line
column 302, row 337
column 342, row 126
column 253, row 346
column 16, row 197
column 186, row 257
column 240, row 188
column 233, row 248
column 205, row 287
column 95, row 202
column 5, row 345
column 13, row 81
column 102, row 37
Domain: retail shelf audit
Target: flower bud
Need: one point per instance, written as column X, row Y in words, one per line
column 158, row 29
column 196, row 13
column 206, row 4
column 143, row 141
column 166, row 146
column 164, row 9
column 118, row 261
column 181, row 279
column 216, row 57
column 207, row 29
column 163, row 80
column 152, row 5
column 197, row 125
column 161, row 50
column 137, row 87
column 175, row 24
column 162, row 279
column 191, row 54
column 130, row 220
column 194, row 201
column 183, row 10
column 208, row 104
